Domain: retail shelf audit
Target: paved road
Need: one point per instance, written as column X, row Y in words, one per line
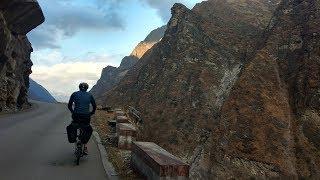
column 34, row 146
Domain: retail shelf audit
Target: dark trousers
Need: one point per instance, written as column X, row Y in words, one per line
column 80, row 121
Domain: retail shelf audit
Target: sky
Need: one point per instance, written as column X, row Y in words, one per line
column 81, row 37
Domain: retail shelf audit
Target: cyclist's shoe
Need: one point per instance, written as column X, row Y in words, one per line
column 85, row 151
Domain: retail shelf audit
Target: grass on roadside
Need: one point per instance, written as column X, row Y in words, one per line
column 119, row 158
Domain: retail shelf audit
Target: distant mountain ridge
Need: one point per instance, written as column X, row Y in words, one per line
column 39, row 93
column 154, row 37
column 110, row 75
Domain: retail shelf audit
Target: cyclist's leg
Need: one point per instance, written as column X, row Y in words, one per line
column 87, row 131
column 86, row 134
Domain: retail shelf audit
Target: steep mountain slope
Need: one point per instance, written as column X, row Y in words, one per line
column 233, row 88
column 110, row 75
column 189, row 73
column 271, row 115
column 17, row 18
column 39, row 93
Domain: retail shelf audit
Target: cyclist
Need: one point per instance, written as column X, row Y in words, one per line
column 81, row 113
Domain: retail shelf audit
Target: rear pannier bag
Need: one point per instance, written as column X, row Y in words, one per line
column 72, row 133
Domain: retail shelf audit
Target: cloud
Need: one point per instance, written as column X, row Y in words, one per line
column 163, row 7
column 64, row 18
column 47, row 57
column 62, row 79
column 60, row 75
column 52, row 57
column 45, row 37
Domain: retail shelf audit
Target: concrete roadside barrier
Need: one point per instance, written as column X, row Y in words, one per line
column 122, row 119
column 155, row 163
column 120, row 113
column 126, row 135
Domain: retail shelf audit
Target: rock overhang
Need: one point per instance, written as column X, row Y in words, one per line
column 22, row 15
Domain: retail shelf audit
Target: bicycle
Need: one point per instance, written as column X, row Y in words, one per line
column 79, row 146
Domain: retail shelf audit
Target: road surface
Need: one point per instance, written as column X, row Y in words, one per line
column 34, row 146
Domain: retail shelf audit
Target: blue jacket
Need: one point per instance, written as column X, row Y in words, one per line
column 82, row 101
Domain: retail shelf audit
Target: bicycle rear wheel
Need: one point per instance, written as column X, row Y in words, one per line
column 78, row 160
column 78, row 153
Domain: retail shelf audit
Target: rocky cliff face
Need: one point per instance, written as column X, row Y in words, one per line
column 110, row 76
column 233, row 88
column 271, row 114
column 181, row 83
column 17, row 18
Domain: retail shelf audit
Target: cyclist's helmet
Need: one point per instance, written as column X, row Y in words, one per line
column 83, row 86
